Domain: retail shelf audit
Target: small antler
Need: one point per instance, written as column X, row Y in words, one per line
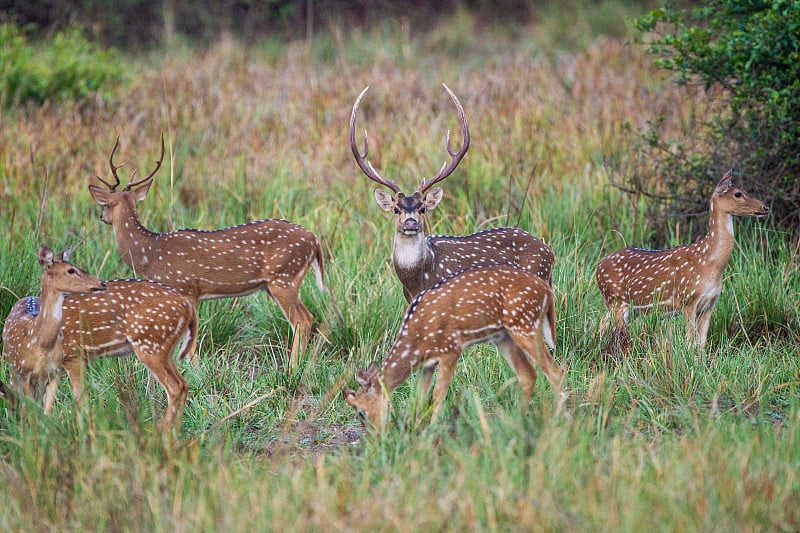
column 361, row 159
column 132, row 184
column 446, row 169
column 114, row 168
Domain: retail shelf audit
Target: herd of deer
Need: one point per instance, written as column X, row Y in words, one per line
column 494, row 285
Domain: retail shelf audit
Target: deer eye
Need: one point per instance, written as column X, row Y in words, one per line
column 71, row 271
column 421, row 210
column 396, row 211
column 737, row 194
column 361, row 415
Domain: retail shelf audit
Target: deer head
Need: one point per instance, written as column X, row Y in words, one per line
column 65, row 277
column 409, row 211
column 735, row 201
column 370, row 400
column 118, row 204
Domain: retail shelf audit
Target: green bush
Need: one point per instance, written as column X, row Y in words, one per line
column 67, row 67
column 751, row 51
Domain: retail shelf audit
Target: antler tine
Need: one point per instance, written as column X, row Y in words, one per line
column 132, row 184
column 455, row 157
column 114, row 168
column 365, row 165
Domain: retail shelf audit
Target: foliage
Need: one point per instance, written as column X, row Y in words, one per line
column 745, row 55
column 66, row 67
column 665, row 439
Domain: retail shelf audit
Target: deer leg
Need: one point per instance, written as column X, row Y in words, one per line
column 690, row 315
column 300, row 318
column 427, row 376
column 50, row 393
column 76, row 371
column 163, row 368
column 447, row 366
column 516, row 358
column 535, row 348
column 703, row 321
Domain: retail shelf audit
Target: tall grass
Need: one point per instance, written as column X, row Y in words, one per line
column 666, row 438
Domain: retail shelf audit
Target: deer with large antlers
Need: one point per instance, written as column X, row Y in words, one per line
column 271, row 255
column 502, row 304
column 420, row 262
column 33, row 342
column 687, row 278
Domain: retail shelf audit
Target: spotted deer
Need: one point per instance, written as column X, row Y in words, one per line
column 271, row 255
column 502, row 304
column 140, row 317
column 687, row 278
column 33, row 342
column 420, row 262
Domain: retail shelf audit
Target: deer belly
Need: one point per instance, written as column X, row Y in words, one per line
column 489, row 333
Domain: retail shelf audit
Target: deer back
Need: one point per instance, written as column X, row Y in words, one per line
column 128, row 313
column 472, row 306
column 231, row 261
column 512, row 246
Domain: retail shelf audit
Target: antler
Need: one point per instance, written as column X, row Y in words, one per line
column 365, row 165
column 158, row 165
column 446, row 169
column 114, row 169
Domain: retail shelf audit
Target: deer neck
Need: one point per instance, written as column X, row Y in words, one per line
column 399, row 363
column 718, row 242
column 48, row 322
column 412, row 255
column 134, row 241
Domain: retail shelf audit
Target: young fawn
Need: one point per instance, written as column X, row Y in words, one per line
column 141, row 317
column 687, row 278
column 420, row 262
column 270, row 255
column 502, row 304
column 33, row 342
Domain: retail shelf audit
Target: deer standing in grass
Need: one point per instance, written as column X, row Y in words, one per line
column 502, row 304
column 421, row 262
column 687, row 278
column 271, row 255
column 141, row 317
column 33, row 342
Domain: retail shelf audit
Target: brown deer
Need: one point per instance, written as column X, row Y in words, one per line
column 33, row 343
column 141, row 317
column 421, row 262
column 503, row 304
column 687, row 278
column 273, row 255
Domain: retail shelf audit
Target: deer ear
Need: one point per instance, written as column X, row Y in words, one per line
column 362, row 378
column 45, row 256
column 384, row 199
column 100, row 196
column 433, row 198
column 141, row 191
column 64, row 256
column 724, row 184
column 349, row 395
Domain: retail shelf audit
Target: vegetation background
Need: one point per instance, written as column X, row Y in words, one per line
column 560, row 99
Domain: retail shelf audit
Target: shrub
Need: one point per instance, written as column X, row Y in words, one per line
column 68, row 67
column 748, row 52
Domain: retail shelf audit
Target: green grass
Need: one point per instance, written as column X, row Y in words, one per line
column 660, row 439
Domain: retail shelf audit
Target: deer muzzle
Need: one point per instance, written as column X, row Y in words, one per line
column 410, row 226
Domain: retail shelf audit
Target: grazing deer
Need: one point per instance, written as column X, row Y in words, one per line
column 421, row 262
column 503, row 304
column 141, row 317
column 273, row 255
column 687, row 278
column 33, row 343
